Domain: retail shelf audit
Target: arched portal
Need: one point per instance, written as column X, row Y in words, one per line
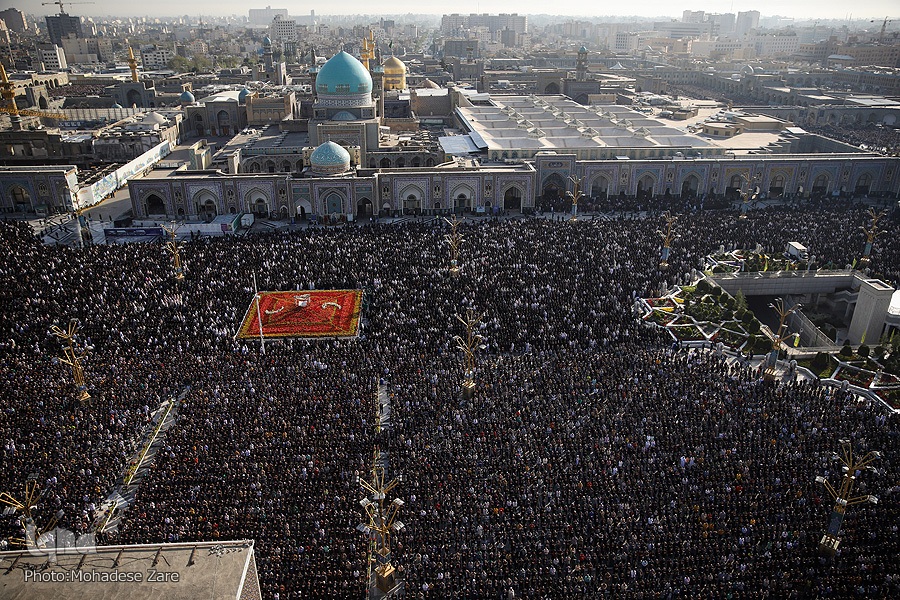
column 554, row 187
column 776, row 186
column 364, row 208
column 512, row 199
column 223, row 121
column 645, row 187
column 385, row 163
column 42, row 102
column 132, row 98
column 21, row 199
column 733, row 190
column 155, row 205
column 334, row 204
column 552, row 89
column 820, row 186
column 600, row 188
column 689, row 186
column 303, row 208
column 863, row 185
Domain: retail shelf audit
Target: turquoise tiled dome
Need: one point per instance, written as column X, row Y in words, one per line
column 343, row 75
column 242, row 95
column 187, row 97
column 330, row 158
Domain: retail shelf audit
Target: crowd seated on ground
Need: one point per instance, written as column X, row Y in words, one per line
column 596, row 459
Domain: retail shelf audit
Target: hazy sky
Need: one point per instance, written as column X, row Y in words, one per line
column 799, row 9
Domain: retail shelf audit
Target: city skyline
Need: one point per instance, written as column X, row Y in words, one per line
column 795, row 9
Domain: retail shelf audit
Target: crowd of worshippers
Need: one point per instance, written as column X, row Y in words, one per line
column 595, row 458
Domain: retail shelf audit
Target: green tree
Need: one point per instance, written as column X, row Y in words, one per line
column 179, row 64
column 740, row 301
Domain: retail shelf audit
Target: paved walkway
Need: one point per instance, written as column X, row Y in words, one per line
column 139, row 465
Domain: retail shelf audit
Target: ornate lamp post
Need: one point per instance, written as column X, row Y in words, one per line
column 33, row 539
column 783, row 314
column 73, row 357
column 384, row 581
column 575, row 196
column 667, row 237
column 469, row 345
column 747, row 196
column 851, row 465
column 872, row 232
column 455, row 240
column 174, row 249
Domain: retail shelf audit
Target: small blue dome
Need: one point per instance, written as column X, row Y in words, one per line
column 344, row 116
column 329, row 158
column 343, row 75
column 582, row 50
column 242, row 95
column 186, row 97
column 267, row 41
column 116, row 105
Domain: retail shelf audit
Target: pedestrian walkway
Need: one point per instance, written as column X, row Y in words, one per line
column 139, row 465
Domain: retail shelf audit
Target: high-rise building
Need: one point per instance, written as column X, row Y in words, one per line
column 264, row 16
column 746, row 21
column 14, row 19
column 283, row 29
column 51, row 57
column 61, row 25
column 494, row 23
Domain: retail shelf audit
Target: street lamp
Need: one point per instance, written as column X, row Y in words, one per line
column 72, row 357
column 455, row 239
column 783, row 314
column 469, row 345
column 747, row 196
column 842, row 497
column 174, row 249
column 668, row 237
column 575, row 196
column 872, row 232
column 33, row 538
column 384, row 581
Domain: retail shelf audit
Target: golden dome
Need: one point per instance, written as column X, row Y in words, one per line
column 394, row 66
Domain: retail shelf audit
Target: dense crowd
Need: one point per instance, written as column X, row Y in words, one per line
column 868, row 136
column 595, row 459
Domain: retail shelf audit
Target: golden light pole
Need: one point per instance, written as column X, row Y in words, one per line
column 575, row 196
column 383, row 579
column 72, row 357
column 174, row 249
column 872, row 232
column 783, row 314
column 668, row 236
column 469, row 345
column 851, row 465
column 747, row 196
column 33, row 538
column 455, row 240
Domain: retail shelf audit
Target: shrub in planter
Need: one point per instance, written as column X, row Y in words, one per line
column 820, row 361
column 863, row 351
column 703, row 286
column 846, row 350
column 747, row 317
column 753, row 326
column 739, row 314
column 879, row 352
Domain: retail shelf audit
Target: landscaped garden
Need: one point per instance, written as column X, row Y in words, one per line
column 707, row 313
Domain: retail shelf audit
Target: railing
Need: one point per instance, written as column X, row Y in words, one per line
column 781, row 274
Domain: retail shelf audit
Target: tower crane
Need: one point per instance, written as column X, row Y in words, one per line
column 59, row 3
column 884, row 25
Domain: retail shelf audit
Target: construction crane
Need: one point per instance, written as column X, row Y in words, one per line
column 59, row 3
column 884, row 25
